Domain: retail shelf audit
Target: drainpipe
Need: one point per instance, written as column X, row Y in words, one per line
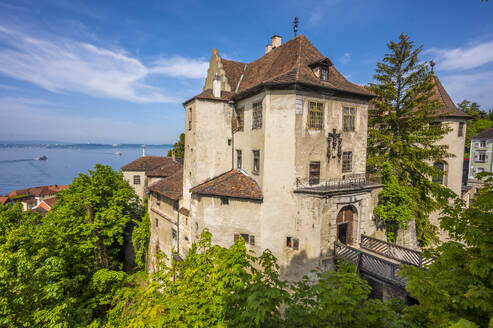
column 233, row 112
column 178, row 231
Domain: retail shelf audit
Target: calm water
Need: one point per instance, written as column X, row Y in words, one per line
column 19, row 169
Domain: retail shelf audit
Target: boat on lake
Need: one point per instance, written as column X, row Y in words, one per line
column 42, row 158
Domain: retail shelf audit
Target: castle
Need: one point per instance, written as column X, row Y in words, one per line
column 275, row 153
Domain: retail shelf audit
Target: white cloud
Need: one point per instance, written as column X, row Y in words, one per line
column 319, row 9
column 180, row 66
column 474, row 87
column 63, row 65
column 463, row 58
column 346, row 58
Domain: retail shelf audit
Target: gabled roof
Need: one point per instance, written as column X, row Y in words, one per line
column 448, row 108
column 288, row 64
column 486, row 134
column 234, row 183
column 50, row 201
column 165, row 170
column 170, row 187
column 146, row 163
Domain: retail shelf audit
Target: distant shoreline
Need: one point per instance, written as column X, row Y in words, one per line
column 81, row 146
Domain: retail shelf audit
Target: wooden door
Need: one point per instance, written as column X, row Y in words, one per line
column 345, row 225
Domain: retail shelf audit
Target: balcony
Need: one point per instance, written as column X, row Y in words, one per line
column 348, row 182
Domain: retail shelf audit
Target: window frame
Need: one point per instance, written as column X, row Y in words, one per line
column 248, row 238
column 239, row 119
column 348, row 119
column 315, row 115
column 257, row 115
column 324, row 74
column 293, row 243
column 460, row 133
column 439, row 178
column 136, row 179
column 256, row 159
column 189, row 118
column 174, row 234
column 313, row 177
column 347, row 161
column 482, row 143
column 239, row 158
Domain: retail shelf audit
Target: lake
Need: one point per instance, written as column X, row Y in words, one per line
column 19, row 168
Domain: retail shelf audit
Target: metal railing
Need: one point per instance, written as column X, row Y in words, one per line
column 346, row 182
column 371, row 264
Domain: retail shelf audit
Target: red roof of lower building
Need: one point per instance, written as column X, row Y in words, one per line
column 3, row 199
column 234, row 184
column 170, row 187
column 40, row 191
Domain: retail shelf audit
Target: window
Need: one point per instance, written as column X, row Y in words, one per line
column 224, row 200
column 315, row 115
column 483, row 144
column 323, row 74
column 439, row 177
column 480, row 156
column 136, row 179
column 158, row 200
column 173, row 233
column 156, row 222
column 239, row 121
column 249, row 239
column 348, row 118
column 257, row 115
column 314, row 173
column 189, row 119
column 461, row 129
column 229, row 142
column 238, row 158
column 293, row 243
column 256, row 161
column 347, row 161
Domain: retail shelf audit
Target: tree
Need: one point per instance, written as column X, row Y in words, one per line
column 178, row 147
column 458, row 286
column 61, row 270
column 480, row 121
column 403, row 130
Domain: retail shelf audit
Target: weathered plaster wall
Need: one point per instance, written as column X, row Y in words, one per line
column 139, row 188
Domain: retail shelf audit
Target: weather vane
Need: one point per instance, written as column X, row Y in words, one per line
column 432, row 64
column 295, row 25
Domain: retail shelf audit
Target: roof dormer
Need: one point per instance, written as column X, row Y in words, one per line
column 321, row 68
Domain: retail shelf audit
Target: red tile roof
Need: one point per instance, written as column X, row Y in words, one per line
column 285, row 65
column 486, row 134
column 234, row 184
column 448, row 107
column 170, row 187
column 37, row 191
column 146, row 163
column 165, row 170
column 3, row 200
column 50, row 201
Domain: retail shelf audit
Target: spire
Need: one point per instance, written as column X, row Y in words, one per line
column 295, row 25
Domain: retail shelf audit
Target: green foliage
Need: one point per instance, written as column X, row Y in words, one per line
column 141, row 235
column 62, row 269
column 339, row 299
column 178, row 147
column 402, row 134
column 396, row 206
column 212, row 287
column 480, row 121
column 459, row 283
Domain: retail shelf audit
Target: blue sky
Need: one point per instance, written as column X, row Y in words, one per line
column 118, row 71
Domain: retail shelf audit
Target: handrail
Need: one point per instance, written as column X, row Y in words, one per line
column 413, row 257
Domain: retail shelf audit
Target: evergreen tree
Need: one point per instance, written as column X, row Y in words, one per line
column 403, row 130
column 178, row 147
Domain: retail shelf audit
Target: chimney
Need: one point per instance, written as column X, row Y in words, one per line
column 268, row 48
column 276, row 41
column 216, row 86
column 143, row 150
column 173, row 155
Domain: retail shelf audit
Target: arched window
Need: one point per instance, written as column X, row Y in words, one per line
column 440, row 178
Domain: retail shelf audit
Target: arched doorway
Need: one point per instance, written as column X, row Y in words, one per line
column 345, row 225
